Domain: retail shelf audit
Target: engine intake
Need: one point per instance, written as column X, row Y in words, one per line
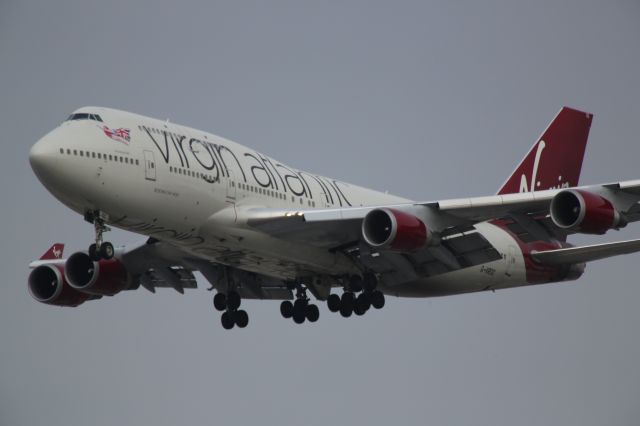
column 393, row 229
column 584, row 212
column 47, row 285
column 105, row 278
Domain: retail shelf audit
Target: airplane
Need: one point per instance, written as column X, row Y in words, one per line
column 256, row 228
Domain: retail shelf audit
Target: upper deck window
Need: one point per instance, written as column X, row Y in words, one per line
column 84, row 116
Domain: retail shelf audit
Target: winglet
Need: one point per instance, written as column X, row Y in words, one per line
column 54, row 253
column 555, row 160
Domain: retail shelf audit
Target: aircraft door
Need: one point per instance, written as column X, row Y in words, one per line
column 149, row 165
column 231, row 187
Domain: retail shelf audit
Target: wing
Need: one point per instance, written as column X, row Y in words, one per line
column 455, row 221
column 335, row 228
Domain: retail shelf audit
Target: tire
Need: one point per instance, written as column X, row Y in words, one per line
column 355, row 283
column 241, row 318
column 363, row 302
column 93, row 253
column 377, row 300
column 233, row 300
column 220, row 301
column 313, row 313
column 299, row 309
column 286, row 309
column 347, row 301
column 369, row 281
column 333, row 303
column 107, row 251
column 227, row 320
column 346, row 311
column 358, row 310
column 298, row 317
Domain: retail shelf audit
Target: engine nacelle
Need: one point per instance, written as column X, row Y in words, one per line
column 48, row 285
column 393, row 229
column 584, row 212
column 105, row 278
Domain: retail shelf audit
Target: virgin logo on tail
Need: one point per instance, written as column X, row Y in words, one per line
column 534, row 183
column 534, row 172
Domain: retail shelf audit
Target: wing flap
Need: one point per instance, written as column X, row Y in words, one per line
column 586, row 253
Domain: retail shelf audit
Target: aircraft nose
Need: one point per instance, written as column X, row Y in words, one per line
column 43, row 159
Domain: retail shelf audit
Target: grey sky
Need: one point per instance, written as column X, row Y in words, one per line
column 425, row 99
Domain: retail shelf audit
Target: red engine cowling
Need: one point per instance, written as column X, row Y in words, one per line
column 48, row 285
column 105, row 278
column 394, row 230
column 584, row 212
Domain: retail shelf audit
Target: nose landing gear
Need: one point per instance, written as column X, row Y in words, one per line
column 100, row 249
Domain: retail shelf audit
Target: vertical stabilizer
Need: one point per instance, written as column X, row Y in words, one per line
column 54, row 253
column 556, row 158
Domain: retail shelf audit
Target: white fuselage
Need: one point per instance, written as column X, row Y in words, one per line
column 189, row 188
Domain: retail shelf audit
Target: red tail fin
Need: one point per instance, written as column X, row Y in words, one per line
column 556, row 158
column 55, row 252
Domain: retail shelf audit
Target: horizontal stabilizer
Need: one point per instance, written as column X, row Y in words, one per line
column 586, row 253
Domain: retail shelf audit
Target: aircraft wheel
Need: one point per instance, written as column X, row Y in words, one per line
column 377, row 299
column 220, row 301
column 93, row 253
column 298, row 316
column 107, row 251
column 299, row 310
column 241, row 318
column 347, row 301
column 355, row 283
column 363, row 302
column 227, row 320
column 359, row 310
column 333, row 302
column 346, row 310
column 313, row 313
column 286, row 309
column 233, row 300
column 369, row 281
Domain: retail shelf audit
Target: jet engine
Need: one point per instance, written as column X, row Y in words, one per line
column 105, row 278
column 584, row 212
column 393, row 229
column 48, row 285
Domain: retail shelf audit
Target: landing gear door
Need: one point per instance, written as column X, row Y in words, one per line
column 149, row 165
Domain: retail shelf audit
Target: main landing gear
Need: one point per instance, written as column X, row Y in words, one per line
column 228, row 304
column 300, row 310
column 100, row 249
column 359, row 304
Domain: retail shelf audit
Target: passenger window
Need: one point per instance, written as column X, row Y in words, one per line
column 61, row 151
column 99, row 156
column 75, row 152
column 93, row 155
column 68, row 151
column 110, row 157
column 81, row 153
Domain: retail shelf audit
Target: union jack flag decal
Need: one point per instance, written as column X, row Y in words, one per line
column 121, row 134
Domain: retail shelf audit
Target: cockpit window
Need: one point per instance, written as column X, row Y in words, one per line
column 84, row 116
